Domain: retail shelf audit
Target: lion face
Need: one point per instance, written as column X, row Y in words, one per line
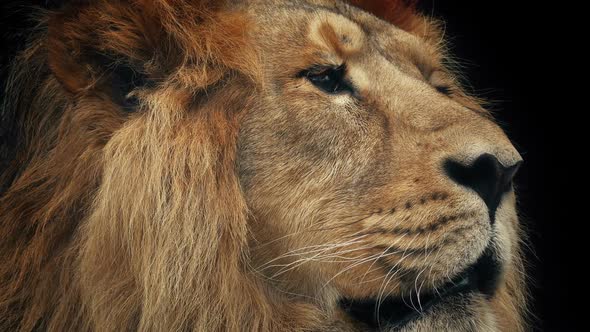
column 196, row 165
column 371, row 178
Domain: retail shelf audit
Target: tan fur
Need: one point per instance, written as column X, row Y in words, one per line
column 237, row 196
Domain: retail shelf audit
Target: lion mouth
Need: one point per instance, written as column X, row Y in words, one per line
column 395, row 312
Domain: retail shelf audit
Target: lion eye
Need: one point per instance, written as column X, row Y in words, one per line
column 331, row 80
column 445, row 90
column 440, row 82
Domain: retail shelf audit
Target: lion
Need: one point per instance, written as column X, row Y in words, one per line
column 252, row 165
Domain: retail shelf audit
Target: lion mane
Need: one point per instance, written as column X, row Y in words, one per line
column 146, row 229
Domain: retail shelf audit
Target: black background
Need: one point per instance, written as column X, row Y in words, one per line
column 526, row 59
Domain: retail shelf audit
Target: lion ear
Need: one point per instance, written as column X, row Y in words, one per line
column 119, row 46
column 98, row 47
column 401, row 13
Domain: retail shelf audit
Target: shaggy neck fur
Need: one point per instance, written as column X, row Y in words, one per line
column 138, row 229
column 154, row 229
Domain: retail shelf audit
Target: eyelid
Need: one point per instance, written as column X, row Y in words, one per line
column 318, row 69
column 441, row 81
column 437, row 77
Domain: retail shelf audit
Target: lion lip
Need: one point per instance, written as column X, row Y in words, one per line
column 481, row 277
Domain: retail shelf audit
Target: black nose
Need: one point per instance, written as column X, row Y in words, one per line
column 487, row 176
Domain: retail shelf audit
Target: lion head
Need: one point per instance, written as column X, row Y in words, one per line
column 256, row 165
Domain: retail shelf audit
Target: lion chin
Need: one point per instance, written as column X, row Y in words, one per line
column 452, row 305
column 251, row 165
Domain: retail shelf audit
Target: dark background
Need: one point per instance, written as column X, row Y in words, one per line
column 524, row 58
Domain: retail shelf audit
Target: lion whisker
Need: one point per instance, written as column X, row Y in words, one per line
column 319, row 247
column 299, row 262
column 363, row 217
column 386, row 280
column 348, row 268
column 383, row 253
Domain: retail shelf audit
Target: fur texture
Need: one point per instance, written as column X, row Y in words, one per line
column 173, row 172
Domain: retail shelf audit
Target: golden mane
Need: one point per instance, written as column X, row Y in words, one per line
column 55, row 220
column 149, row 214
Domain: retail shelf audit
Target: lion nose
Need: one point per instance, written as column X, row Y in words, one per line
column 486, row 176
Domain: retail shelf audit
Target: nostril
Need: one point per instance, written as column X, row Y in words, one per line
column 486, row 176
column 508, row 174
